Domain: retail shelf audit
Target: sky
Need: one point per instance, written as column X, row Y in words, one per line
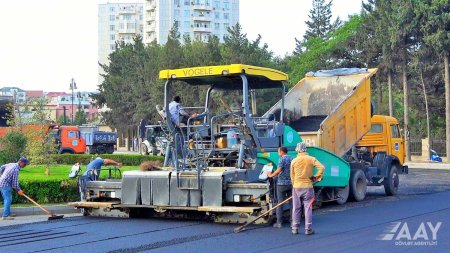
column 45, row 43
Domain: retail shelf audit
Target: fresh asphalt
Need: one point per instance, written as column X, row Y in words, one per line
column 354, row 227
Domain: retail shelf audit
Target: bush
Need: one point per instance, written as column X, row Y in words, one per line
column 126, row 160
column 12, row 147
column 48, row 191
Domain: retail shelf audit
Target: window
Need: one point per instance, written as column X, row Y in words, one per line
column 112, row 37
column 112, row 27
column 186, row 2
column 112, row 47
column 121, row 26
column 187, row 24
column 187, row 13
column 131, row 26
column 216, row 4
column 395, row 133
column 217, row 26
column 112, row 18
column 111, row 9
column 376, row 128
column 176, row 2
column 217, row 15
column 72, row 134
column 226, row 15
column 141, row 17
column 226, row 25
column 176, row 13
column 226, row 5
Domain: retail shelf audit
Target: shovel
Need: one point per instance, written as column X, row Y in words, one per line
column 239, row 229
column 51, row 216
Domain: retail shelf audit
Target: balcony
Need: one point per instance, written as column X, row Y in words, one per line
column 150, row 17
column 127, row 10
column 202, row 7
column 151, row 27
column 202, row 29
column 150, row 6
column 202, row 18
column 127, row 31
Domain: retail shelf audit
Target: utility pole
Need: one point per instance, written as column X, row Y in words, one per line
column 65, row 121
column 73, row 86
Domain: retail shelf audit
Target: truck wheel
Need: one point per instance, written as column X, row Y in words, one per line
column 342, row 195
column 144, row 149
column 358, row 185
column 154, row 151
column 110, row 150
column 101, row 150
column 391, row 182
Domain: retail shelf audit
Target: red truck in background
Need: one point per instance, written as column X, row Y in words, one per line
column 70, row 140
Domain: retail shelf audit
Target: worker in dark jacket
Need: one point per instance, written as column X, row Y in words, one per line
column 94, row 167
column 283, row 182
column 9, row 180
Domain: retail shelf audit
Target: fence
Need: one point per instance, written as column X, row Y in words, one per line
column 439, row 147
column 415, row 147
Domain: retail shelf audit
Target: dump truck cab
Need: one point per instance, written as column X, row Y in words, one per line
column 68, row 139
column 384, row 136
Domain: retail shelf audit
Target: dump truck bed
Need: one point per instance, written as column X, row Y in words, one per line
column 331, row 110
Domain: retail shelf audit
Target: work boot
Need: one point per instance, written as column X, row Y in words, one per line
column 7, row 218
column 309, row 231
column 277, row 225
column 294, row 231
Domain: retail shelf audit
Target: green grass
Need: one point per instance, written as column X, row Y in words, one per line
column 37, row 172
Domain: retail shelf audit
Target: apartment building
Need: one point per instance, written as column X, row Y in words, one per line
column 197, row 18
column 117, row 22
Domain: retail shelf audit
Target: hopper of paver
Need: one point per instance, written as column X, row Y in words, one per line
column 330, row 109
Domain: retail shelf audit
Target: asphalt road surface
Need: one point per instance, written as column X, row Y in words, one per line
column 416, row 220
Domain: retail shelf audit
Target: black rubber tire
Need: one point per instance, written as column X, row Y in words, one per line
column 144, row 149
column 154, row 151
column 391, row 182
column 343, row 195
column 110, row 150
column 101, row 150
column 358, row 185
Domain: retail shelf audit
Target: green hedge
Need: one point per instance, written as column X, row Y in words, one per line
column 126, row 160
column 48, row 191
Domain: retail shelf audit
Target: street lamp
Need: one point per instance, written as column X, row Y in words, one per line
column 73, row 86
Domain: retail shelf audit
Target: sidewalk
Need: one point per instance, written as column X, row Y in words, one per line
column 26, row 211
column 428, row 165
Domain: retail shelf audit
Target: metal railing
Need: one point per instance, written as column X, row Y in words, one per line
column 415, row 147
column 439, row 146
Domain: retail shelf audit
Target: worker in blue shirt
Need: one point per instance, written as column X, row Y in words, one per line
column 93, row 168
column 9, row 180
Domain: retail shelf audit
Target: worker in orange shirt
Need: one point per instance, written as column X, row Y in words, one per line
column 302, row 187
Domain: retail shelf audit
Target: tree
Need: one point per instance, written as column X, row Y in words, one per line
column 40, row 142
column 80, row 117
column 318, row 25
column 436, row 26
column 12, row 147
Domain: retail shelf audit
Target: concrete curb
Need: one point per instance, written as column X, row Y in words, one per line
column 428, row 165
column 26, row 211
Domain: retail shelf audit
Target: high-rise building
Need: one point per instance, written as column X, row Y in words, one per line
column 117, row 22
column 197, row 18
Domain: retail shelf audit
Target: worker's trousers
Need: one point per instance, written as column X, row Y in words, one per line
column 301, row 196
column 283, row 192
column 7, row 199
